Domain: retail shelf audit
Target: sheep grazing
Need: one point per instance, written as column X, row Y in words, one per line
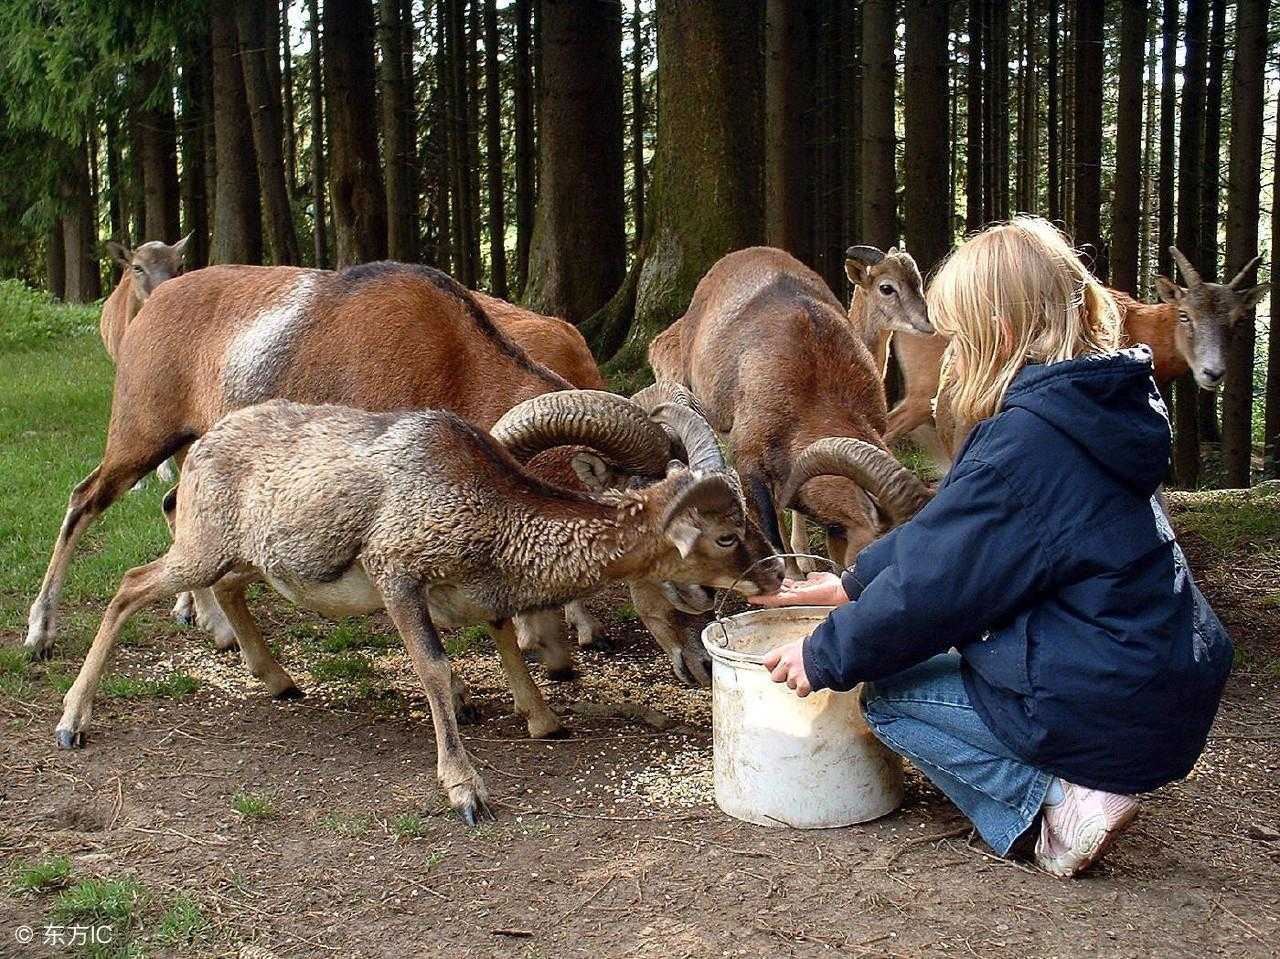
column 345, row 511
column 145, row 268
column 769, row 353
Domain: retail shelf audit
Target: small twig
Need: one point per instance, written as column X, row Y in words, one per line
column 955, row 833
column 513, row 933
column 755, row 853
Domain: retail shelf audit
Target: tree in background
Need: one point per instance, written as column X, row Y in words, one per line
column 926, row 219
column 237, row 208
column 1126, row 200
column 397, row 120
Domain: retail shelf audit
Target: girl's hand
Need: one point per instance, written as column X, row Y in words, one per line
column 786, row 665
column 816, row 589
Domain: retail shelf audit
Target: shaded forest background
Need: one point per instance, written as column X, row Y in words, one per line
column 591, row 159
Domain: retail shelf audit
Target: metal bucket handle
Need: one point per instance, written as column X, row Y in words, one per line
column 719, row 620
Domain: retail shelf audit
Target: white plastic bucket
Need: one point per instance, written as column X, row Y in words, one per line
column 781, row 760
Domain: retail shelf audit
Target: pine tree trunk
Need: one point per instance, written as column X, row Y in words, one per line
column 460, row 157
column 1186, row 454
column 396, row 109
column 320, row 232
column 637, row 120
column 524, row 149
column 1211, row 190
column 851, row 158
column 788, row 173
column 1126, row 200
column 1244, row 187
column 973, row 192
column 879, row 173
column 79, row 229
column 55, row 260
column 1168, row 134
column 290, row 113
column 1069, row 107
column 237, row 210
column 1087, row 205
column 437, row 162
column 1271, row 417
column 990, row 131
column 355, row 172
column 1000, row 76
column 253, row 27
column 1054, row 146
column 194, row 126
column 707, row 146
column 115, row 196
column 493, row 155
column 1146, row 260
column 927, row 221
column 158, row 151
column 578, row 252
column 474, row 69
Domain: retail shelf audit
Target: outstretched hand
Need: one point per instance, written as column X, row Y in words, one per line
column 786, row 665
column 816, row 589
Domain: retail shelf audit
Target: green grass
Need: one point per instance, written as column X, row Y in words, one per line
column 626, row 613
column 40, row 876
column 344, row 667
column 464, row 640
column 1229, row 519
column 113, row 902
column 14, row 662
column 182, row 923
column 33, row 319
column 354, row 634
column 409, row 825
column 254, row 805
column 347, row 823
column 174, row 686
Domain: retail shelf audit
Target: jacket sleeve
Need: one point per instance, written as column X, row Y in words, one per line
column 970, row 559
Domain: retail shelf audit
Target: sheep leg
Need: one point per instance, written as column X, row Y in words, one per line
column 461, row 783
column 140, row 586
column 800, row 544
column 590, row 631
column 198, row 607
column 542, row 722
column 543, row 633
column 229, row 596
column 672, row 629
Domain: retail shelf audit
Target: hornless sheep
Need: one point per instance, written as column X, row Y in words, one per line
column 145, row 268
column 768, row 352
column 421, row 513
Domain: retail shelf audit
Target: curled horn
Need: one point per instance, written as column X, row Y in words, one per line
column 1235, row 284
column 695, row 435
column 869, row 255
column 1188, row 271
column 611, row 424
column 665, row 391
column 898, row 490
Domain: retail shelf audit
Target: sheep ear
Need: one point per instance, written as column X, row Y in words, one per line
column 1251, row 298
column 180, row 247
column 683, row 535
column 1169, row 291
column 592, row 471
column 858, row 261
column 120, row 253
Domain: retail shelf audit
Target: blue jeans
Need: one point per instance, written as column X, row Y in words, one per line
column 924, row 714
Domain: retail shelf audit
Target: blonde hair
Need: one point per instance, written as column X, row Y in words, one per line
column 1016, row 293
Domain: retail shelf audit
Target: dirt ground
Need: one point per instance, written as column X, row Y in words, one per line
column 607, row 842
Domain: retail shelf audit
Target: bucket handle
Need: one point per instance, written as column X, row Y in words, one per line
column 719, row 619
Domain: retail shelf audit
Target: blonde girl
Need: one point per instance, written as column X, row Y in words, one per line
column 1089, row 666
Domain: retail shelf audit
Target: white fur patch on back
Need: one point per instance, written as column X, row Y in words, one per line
column 259, row 352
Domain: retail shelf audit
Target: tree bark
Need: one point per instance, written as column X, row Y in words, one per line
column 974, row 215
column 359, row 200
column 158, row 150
column 396, row 109
column 1127, row 198
column 474, row 70
column 460, row 157
column 1244, row 187
column 524, row 148
column 1053, row 146
column 637, row 119
column 879, row 174
column 1211, row 190
column 195, row 130
column 1168, row 133
column 438, row 158
column 1271, row 415
column 1146, row 261
column 115, row 197
column 55, row 260
column 253, row 20
column 1087, row 204
column 1186, row 458
column 927, row 221
column 237, row 210
column 79, row 229
column 706, row 196
column 290, row 113
column 578, row 251
column 493, row 155
column 788, row 174
column 320, row 233
column 1000, row 106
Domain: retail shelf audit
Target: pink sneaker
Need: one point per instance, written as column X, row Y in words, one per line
column 1076, row 832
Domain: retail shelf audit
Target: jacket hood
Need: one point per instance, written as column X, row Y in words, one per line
column 1109, row 406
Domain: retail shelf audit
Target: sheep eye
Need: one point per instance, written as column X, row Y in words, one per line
column 887, row 290
column 136, row 268
column 1183, row 317
column 727, row 541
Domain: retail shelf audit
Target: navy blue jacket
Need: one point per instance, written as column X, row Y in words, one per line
column 1046, row 560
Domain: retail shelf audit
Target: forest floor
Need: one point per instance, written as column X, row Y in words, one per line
column 202, row 816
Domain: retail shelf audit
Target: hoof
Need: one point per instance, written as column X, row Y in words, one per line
column 288, row 694
column 475, row 811
column 69, row 740
column 466, row 714
column 228, row 648
column 548, row 728
column 562, row 674
column 599, row 643
column 37, row 653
